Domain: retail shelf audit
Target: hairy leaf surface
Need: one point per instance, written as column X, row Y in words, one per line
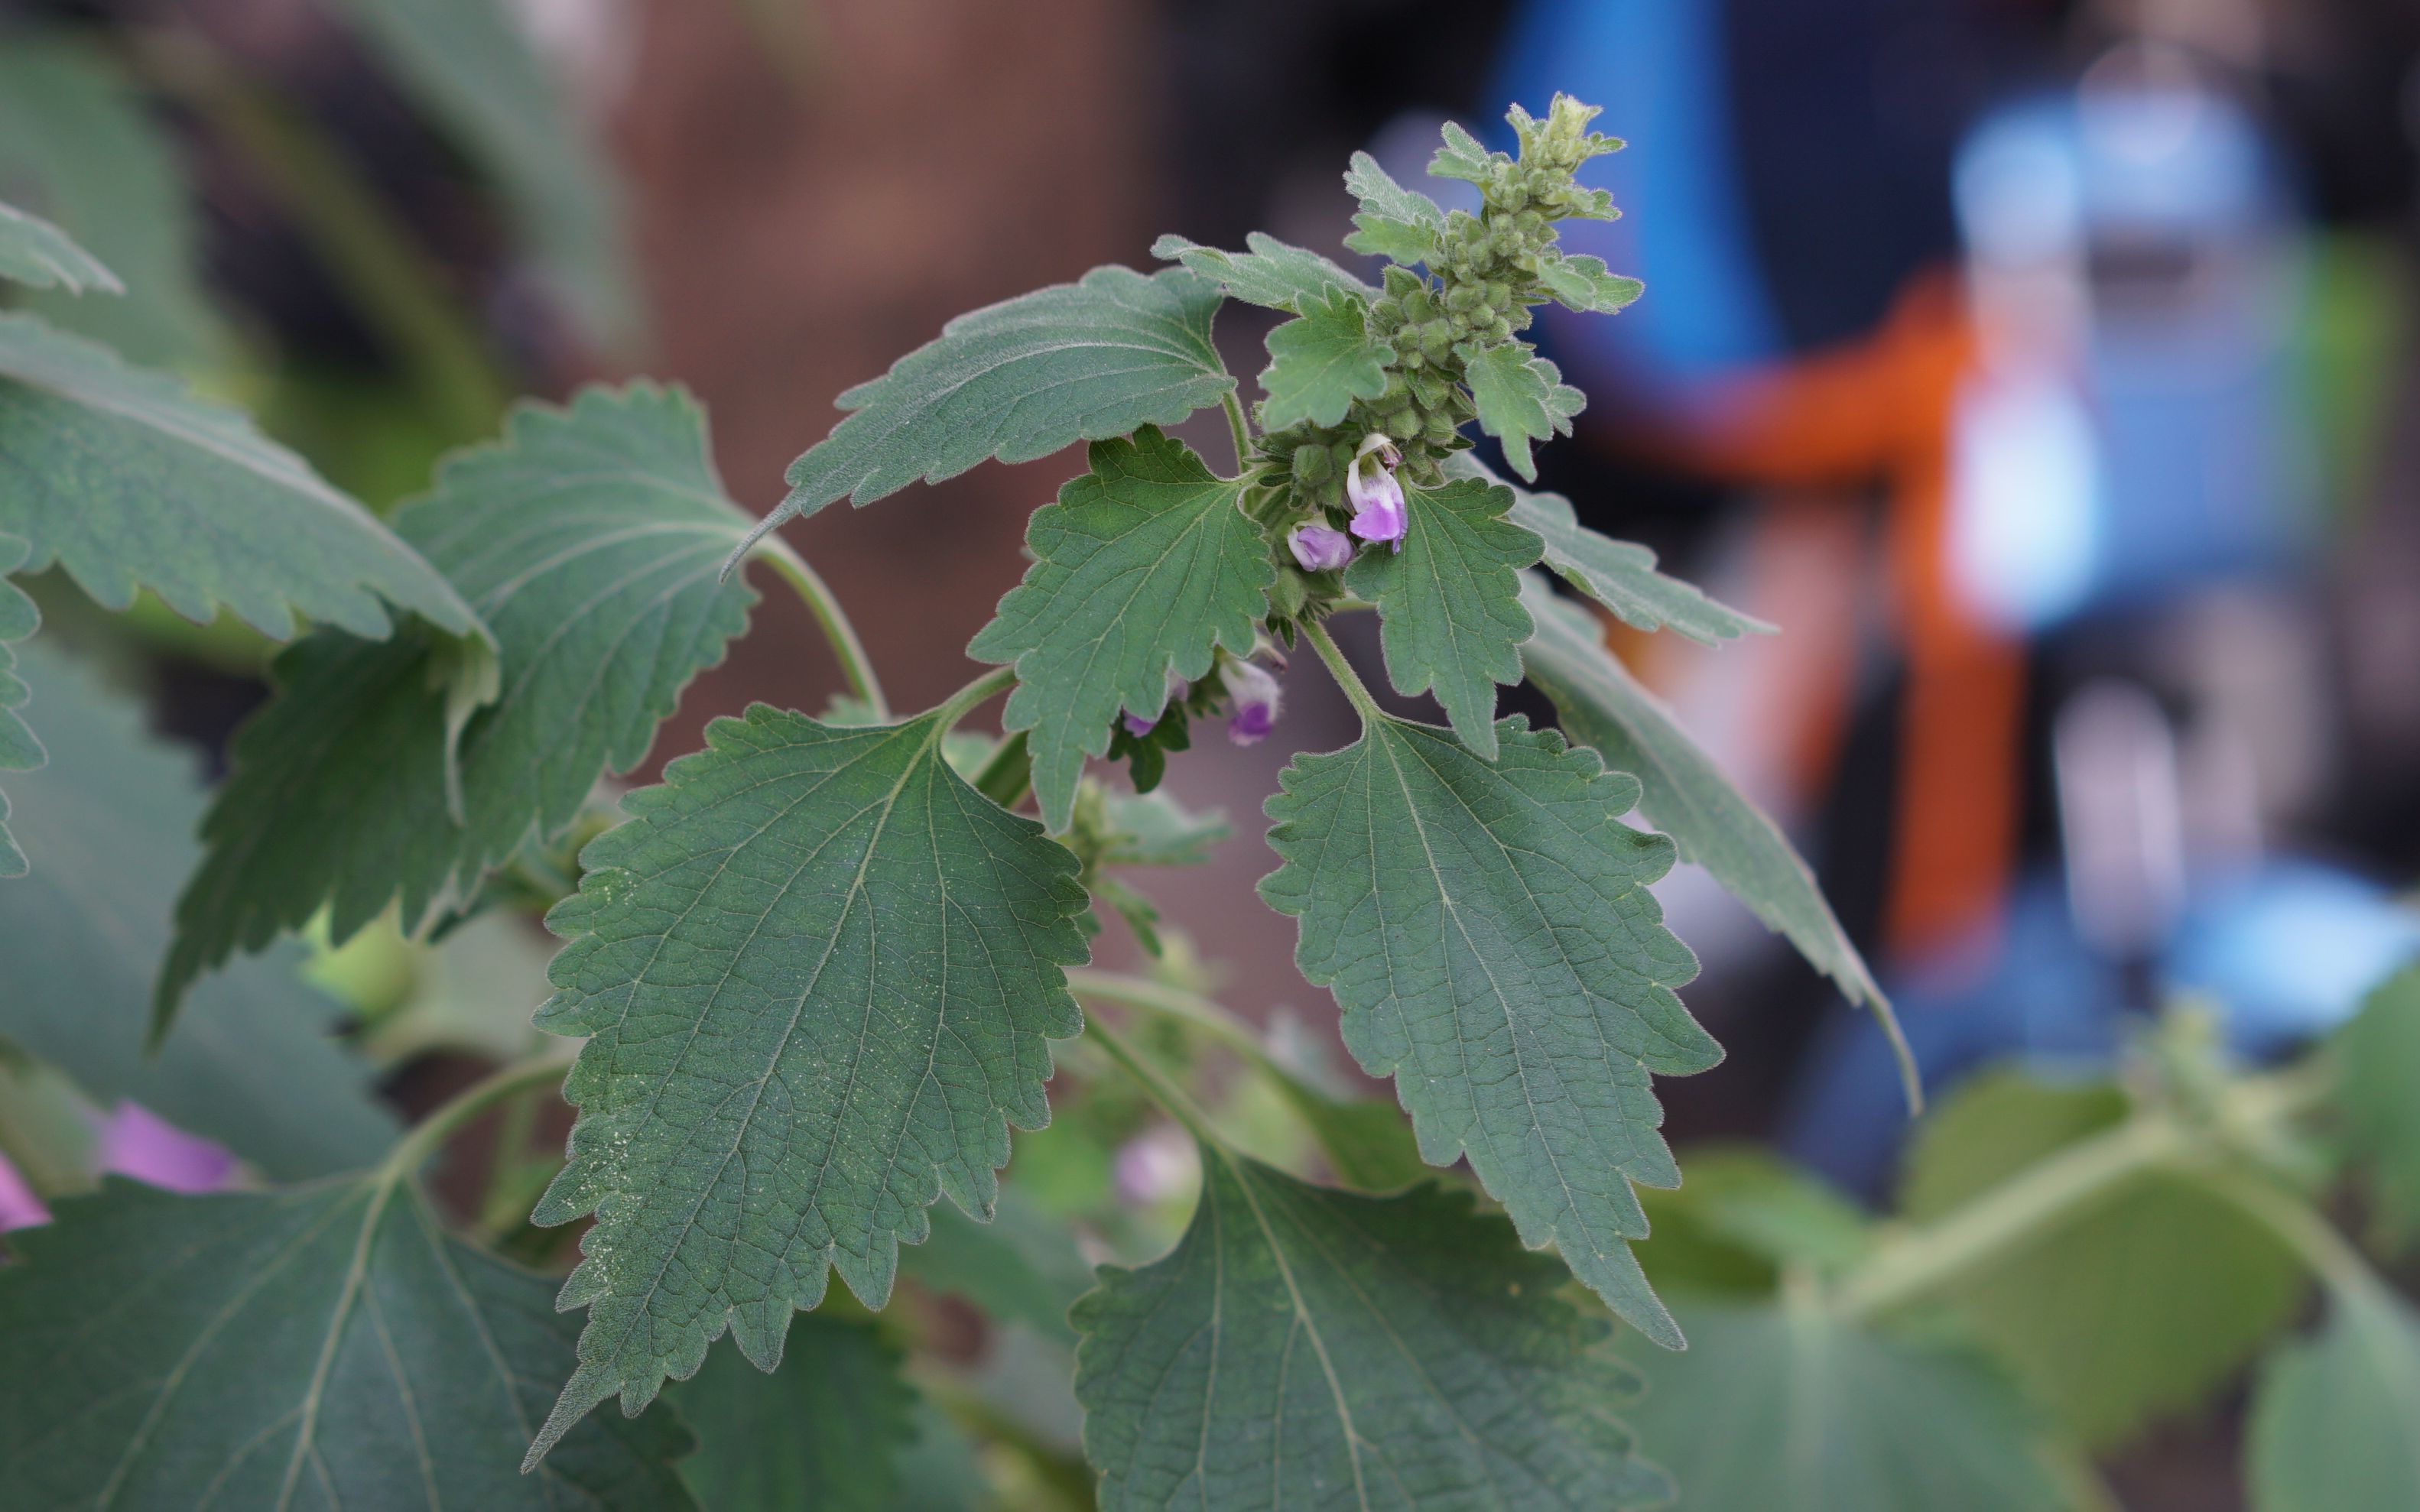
column 1488, row 932
column 820, row 972
column 823, row 1433
column 1521, row 398
column 1398, row 224
column 1019, row 380
column 39, row 254
column 1273, row 273
column 2332, row 1415
column 1584, row 284
column 1450, row 602
column 328, row 1348
column 19, row 750
column 2377, row 1068
column 1144, row 566
column 1314, row 1350
column 1322, row 361
column 589, row 539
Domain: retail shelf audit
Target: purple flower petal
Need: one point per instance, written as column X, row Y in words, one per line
column 139, row 1143
column 1253, row 697
column 1320, row 548
column 19, row 1206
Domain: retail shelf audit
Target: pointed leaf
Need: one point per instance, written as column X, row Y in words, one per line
column 1019, row 380
column 2378, row 1061
column 328, row 1346
column 825, row 1432
column 1143, row 568
column 39, row 254
column 1584, row 284
column 819, row 971
column 19, row 750
column 1450, row 602
column 589, row 538
column 1303, row 1349
column 1272, row 275
column 1398, row 224
column 2333, row 1416
column 1488, row 932
column 1322, row 361
column 1461, row 157
column 1521, row 398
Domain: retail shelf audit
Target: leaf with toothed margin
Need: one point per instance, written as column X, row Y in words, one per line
column 1461, row 157
column 19, row 750
column 1450, row 602
column 39, row 254
column 1142, row 569
column 1019, row 380
column 819, row 973
column 1272, row 275
column 1303, row 1349
column 1397, row 223
column 1489, row 936
column 1584, row 284
column 327, row 1347
column 1521, row 398
column 1323, row 360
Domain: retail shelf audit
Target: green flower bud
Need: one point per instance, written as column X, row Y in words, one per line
column 1312, row 465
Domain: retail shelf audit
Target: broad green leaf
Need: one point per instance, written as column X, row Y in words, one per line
column 129, row 481
column 1461, row 157
column 1322, row 361
column 2142, row 1305
column 1144, row 566
column 824, row 1432
column 819, row 973
column 81, row 147
column 589, row 539
column 108, row 826
column 1620, row 575
column 19, row 750
column 39, row 254
column 2333, row 1416
column 1308, row 1349
column 1154, row 830
column 939, row 1471
column 328, row 1347
column 1683, row 792
column 1773, row 1410
column 1021, row 1267
column 1584, row 284
column 1398, row 224
column 1742, row 1217
column 1450, row 602
column 1019, row 380
column 471, row 63
column 1521, row 398
column 1488, row 932
column 2377, row 1056
column 1273, row 273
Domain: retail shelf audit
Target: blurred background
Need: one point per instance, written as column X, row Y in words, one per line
column 2049, row 372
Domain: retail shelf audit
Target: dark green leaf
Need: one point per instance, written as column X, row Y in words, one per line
column 1521, row 398
column 39, row 254
column 1322, row 361
column 1584, row 284
column 2333, row 1416
column 1021, row 1267
column 1273, row 274
column 1449, row 601
column 326, row 1347
column 1398, row 224
column 2378, row 1091
column 823, row 1433
column 779, row 1081
column 1314, row 1350
column 1144, row 566
column 589, row 539
column 19, row 750
column 1488, row 932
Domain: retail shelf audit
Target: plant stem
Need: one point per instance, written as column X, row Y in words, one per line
column 1242, row 432
column 963, row 701
column 1172, row 1002
column 1338, row 668
column 1172, row 1099
column 1008, row 775
column 831, row 618
column 2295, row 1222
column 427, row 1136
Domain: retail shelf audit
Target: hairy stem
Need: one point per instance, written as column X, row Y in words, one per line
column 855, row 665
column 1239, row 429
column 1338, row 668
column 963, row 701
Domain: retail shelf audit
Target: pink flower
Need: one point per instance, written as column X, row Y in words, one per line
column 1252, row 699
column 1139, row 725
column 19, row 1206
column 1320, row 549
column 139, row 1143
column 1378, row 513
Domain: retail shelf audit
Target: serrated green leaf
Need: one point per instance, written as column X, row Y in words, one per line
column 2333, row 1416
column 1521, row 398
column 1019, row 380
column 1397, row 223
column 328, row 1347
column 1461, row 157
column 108, row 826
column 39, row 254
column 777, row 1082
column 2142, row 1305
column 1154, row 830
column 1488, row 932
column 1308, row 1349
column 129, row 481
column 1584, row 284
column 824, row 1432
column 1022, row 1267
column 2377, row 1055
column 1144, row 566
column 1272, row 275
column 589, row 538
column 1321, row 362
column 1774, row 1410
column 1620, row 575
column 1450, row 602
column 1683, row 792
column 19, row 750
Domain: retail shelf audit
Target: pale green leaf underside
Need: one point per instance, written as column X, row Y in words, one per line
column 1304, row 1349
column 1272, row 275
column 823, row 1433
column 327, row 1347
column 1461, row 157
column 2378, row 1060
column 1321, row 362
column 19, row 750
column 1154, row 830
column 819, row 973
column 1779, row 1410
column 589, row 539
column 1021, row 379
column 1521, row 398
column 129, row 481
column 108, row 826
column 1144, row 566
column 39, row 254
column 1584, row 284
column 1488, row 932
column 2332, row 1415
column 1398, row 224
column 1450, row 602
